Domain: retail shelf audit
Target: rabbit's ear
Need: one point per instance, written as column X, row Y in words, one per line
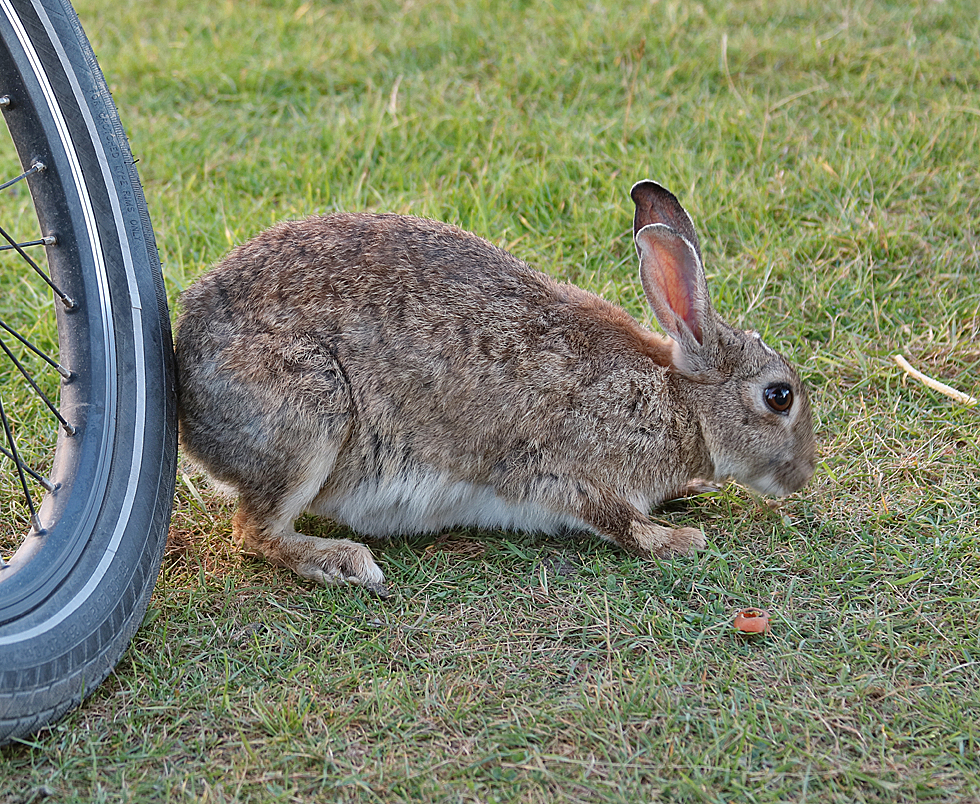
column 655, row 204
column 674, row 283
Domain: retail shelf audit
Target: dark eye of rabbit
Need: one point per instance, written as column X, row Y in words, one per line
column 779, row 398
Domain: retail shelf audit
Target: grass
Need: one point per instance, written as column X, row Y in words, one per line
column 828, row 153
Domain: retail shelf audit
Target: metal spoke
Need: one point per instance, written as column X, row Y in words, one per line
column 69, row 428
column 11, row 452
column 35, row 522
column 64, row 372
column 65, row 298
column 50, row 240
column 37, row 167
column 41, row 479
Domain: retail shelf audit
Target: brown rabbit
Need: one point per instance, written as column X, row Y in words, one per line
column 400, row 376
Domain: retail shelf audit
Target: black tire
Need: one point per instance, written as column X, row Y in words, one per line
column 72, row 597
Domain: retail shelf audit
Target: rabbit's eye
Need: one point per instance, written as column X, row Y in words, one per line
column 779, row 398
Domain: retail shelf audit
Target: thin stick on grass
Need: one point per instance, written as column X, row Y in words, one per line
column 952, row 393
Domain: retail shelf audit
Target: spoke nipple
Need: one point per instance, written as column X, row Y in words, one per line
column 70, row 429
column 4, row 101
column 38, row 165
column 50, row 240
column 36, row 525
column 66, row 373
column 69, row 302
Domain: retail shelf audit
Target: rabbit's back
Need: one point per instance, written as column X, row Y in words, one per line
column 359, row 280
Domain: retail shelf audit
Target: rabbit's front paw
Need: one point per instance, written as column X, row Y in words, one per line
column 664, row 542
column 697, row 486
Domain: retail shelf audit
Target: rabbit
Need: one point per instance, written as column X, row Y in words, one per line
column 402, row 376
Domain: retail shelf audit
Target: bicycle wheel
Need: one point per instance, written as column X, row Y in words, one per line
column 96, row 510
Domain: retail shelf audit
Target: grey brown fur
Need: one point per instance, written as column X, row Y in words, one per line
column 402, row 375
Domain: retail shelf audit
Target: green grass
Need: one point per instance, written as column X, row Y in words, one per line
column 830, row 155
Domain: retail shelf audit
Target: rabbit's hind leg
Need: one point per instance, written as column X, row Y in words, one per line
column 269, row 506
column 329, row 562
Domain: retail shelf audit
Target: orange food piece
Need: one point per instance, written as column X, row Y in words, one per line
column 752, row 621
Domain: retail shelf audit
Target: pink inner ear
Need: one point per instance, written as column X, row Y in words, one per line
column 679, row 291
column 677, row 286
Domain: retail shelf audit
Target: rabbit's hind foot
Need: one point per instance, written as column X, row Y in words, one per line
column 329, row 562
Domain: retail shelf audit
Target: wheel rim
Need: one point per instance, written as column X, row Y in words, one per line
column 80, row 462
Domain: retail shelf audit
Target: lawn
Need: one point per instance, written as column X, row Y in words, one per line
column 829, row 153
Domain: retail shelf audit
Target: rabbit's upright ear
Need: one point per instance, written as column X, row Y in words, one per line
column 673, row 276
column 656, row 204
column 674, row 284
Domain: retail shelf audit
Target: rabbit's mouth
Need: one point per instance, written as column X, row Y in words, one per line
column 783, row 479
column 777, row 478
column 769, row 485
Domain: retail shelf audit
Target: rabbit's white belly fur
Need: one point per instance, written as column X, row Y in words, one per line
column 430, row 501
